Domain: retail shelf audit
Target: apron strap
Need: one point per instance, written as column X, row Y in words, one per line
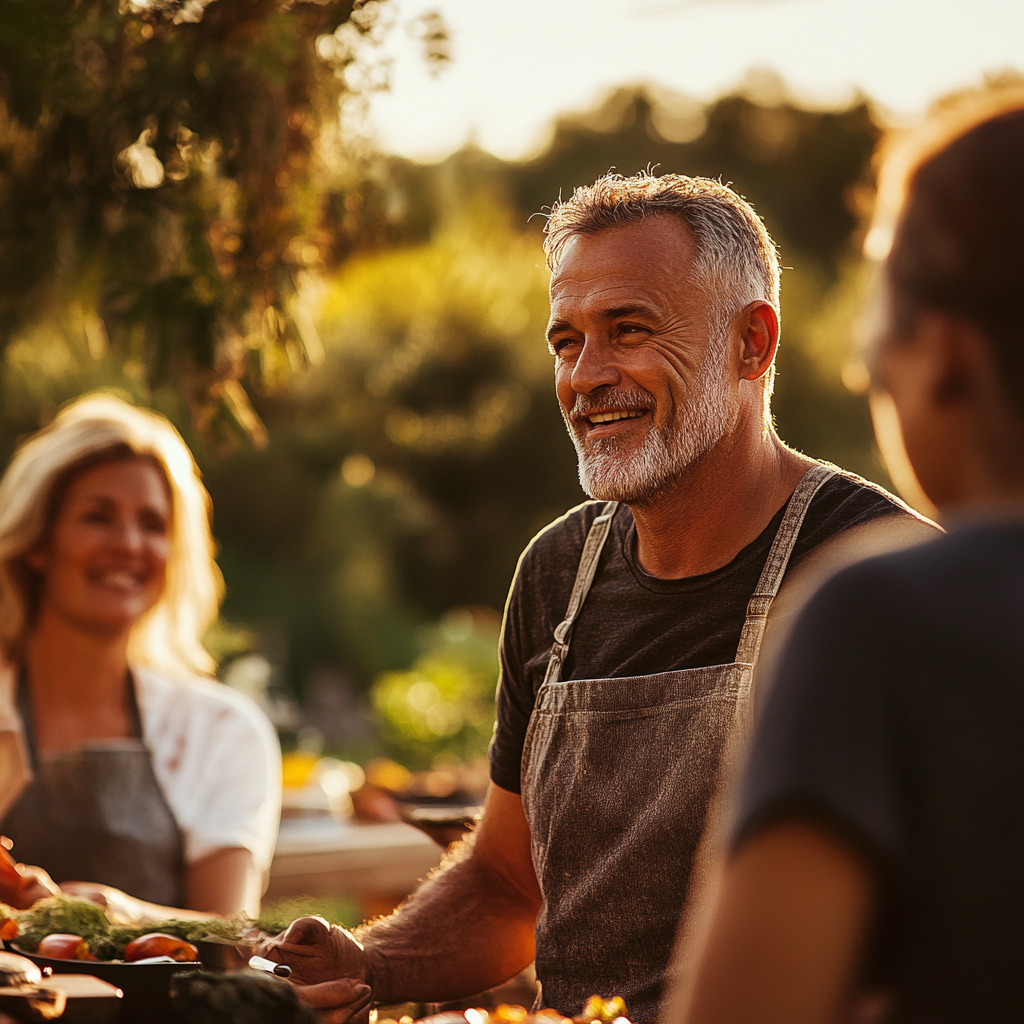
column 778, row 560
column 598, row 534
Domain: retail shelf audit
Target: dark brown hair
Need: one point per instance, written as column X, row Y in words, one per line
column 959, row 242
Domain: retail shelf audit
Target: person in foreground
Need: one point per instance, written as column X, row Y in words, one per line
column 146, row 777
column 877, row 851
column 633, row 622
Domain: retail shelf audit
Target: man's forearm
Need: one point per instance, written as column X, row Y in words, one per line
column 465, row 930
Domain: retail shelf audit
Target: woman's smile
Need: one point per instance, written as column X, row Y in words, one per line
column 105, row 562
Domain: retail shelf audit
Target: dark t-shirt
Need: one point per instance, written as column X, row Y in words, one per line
column 897, row 719
column 635, row 624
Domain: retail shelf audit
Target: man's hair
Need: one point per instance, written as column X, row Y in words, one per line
column 735, row 253
column 952, row 216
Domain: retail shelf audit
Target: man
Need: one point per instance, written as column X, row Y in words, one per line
column 633, row 622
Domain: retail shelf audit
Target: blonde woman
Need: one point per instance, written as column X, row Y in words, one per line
column 146, row 777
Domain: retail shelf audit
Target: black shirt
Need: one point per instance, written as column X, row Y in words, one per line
column 633, row 623
column 897, row 719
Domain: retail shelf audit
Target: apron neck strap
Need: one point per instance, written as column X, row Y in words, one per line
column 598, row 534
column 778, row 560
column 25, row 711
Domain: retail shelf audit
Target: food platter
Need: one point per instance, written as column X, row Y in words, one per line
column 155, row 970
column 29, row 994
column 67, row 938
column 146, row 987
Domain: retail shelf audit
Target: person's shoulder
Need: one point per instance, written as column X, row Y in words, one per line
column 162, row 695
column 563, row 539
column 880, row 585
column 847, row 502
column 979, row 554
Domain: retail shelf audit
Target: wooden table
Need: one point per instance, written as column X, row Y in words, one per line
column 375, row 866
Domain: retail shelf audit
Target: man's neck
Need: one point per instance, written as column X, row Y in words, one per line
column 721, row 505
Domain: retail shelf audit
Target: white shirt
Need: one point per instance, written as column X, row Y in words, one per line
column 215, row 756
column 217, row 760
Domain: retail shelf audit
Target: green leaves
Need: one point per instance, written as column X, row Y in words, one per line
column 161, row 166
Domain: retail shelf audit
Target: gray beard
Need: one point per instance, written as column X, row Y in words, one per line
column 612, row 469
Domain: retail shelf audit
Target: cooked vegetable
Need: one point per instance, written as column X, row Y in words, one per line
column 159, row 944
column 8, row 928
column 64, row 947
column 107, row 941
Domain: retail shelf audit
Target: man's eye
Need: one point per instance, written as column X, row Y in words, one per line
column 96, row 517
column 632, row 329
column 560, row 345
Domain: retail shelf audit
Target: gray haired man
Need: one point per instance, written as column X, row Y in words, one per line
column 633, row 623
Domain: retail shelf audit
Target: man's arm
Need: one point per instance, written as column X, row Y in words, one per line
column 466, row 929
column 786, row 936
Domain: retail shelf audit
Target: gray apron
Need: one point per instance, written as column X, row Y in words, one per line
column 619, row 776
column 96, row 814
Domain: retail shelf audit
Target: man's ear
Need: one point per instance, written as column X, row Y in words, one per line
column 759, row 339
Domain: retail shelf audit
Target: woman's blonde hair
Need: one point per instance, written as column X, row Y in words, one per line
column 88, row 431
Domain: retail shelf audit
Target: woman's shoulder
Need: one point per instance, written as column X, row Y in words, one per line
column 176, row 702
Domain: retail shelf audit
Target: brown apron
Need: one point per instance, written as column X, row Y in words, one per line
column 96, row 814
column 618, row 778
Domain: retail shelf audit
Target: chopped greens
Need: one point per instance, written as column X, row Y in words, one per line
column 105, row 939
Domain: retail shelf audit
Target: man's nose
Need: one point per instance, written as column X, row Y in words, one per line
column 594, row 368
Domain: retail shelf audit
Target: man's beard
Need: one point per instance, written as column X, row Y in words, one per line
column 616, row 469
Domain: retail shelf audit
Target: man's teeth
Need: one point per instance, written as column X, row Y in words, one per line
column 611, row 417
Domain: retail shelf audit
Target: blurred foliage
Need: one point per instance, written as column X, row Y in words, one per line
column 170, row 171
column 444, row 704
column 410, row 461
column 278, row 914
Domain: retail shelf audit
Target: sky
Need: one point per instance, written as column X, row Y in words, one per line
column 517, row 65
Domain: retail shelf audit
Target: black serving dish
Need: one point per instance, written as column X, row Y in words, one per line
column 146, row 987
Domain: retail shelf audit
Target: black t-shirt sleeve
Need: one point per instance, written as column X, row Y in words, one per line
column 536, row 603
column 514, row 698
column 824, row 745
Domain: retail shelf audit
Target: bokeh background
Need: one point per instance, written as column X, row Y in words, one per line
column 309, row 233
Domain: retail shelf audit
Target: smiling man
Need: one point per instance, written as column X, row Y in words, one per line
column 633, row 622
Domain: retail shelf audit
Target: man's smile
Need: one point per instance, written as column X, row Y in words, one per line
column 608, row 420
column 619, row 414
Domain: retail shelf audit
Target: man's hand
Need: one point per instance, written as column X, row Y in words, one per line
column 342, row 1001
column 318, row 952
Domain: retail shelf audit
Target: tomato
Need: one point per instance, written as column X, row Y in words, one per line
column 158, row 944
column 64, row 947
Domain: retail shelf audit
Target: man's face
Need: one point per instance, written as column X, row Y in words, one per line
column 642, row 376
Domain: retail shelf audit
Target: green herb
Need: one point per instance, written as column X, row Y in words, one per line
column 105, row 939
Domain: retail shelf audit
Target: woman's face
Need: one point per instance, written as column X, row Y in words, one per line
column 105, row 563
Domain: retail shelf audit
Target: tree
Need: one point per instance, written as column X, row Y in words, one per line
column 169, row 171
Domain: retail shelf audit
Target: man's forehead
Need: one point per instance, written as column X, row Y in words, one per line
column 652, row 256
